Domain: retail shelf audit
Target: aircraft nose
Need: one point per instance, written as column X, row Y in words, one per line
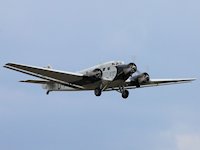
column 130, row 68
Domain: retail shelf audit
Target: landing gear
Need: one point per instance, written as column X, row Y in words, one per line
column 97, row 92
column 125, row 94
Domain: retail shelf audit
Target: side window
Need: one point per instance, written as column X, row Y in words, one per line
column 104, row 69
column 108, row 68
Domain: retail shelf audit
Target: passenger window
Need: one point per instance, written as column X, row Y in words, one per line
column 108, row 68
column 104, row 69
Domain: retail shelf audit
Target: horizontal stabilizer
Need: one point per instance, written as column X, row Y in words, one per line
column 35, row 81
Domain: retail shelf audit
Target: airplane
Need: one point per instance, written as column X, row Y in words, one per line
column 109, row 76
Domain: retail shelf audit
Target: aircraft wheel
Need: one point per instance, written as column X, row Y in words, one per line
column 125, row 94
column 97, row 92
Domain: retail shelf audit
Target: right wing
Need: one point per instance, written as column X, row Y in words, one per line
column 154, row 82
column 162, row 82
column 65, row 78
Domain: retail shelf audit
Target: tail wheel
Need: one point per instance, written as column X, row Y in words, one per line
column 97, row 92
column 47, row 92
column 125, row 94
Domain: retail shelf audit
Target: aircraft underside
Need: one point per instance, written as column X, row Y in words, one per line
column 118, row 84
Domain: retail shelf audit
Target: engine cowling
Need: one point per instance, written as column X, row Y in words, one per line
column 140, row 79
column 97, row 73
column 130, row 68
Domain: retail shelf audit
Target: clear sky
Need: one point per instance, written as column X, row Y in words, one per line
column 161, row 36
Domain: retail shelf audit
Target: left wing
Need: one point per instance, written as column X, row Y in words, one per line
column 65, row 78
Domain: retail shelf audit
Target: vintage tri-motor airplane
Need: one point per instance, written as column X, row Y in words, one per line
column 109, row 76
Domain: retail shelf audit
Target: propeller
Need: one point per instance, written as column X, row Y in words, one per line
column 134, row 60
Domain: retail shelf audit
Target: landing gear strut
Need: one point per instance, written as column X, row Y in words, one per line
column 97, row 92
column 125, row 93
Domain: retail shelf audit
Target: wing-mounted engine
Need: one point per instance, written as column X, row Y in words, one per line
column 96, row 73
column 140, row 79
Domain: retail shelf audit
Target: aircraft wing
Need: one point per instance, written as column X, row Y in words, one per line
column 155, row 82
column 161, row 82
column 65, row 78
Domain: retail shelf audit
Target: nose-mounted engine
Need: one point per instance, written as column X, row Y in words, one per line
column 130, row 69
column 125, row 71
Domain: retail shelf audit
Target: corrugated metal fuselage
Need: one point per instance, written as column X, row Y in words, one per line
column 113, row 76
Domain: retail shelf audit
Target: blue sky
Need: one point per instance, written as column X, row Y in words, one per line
column 161, row 36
